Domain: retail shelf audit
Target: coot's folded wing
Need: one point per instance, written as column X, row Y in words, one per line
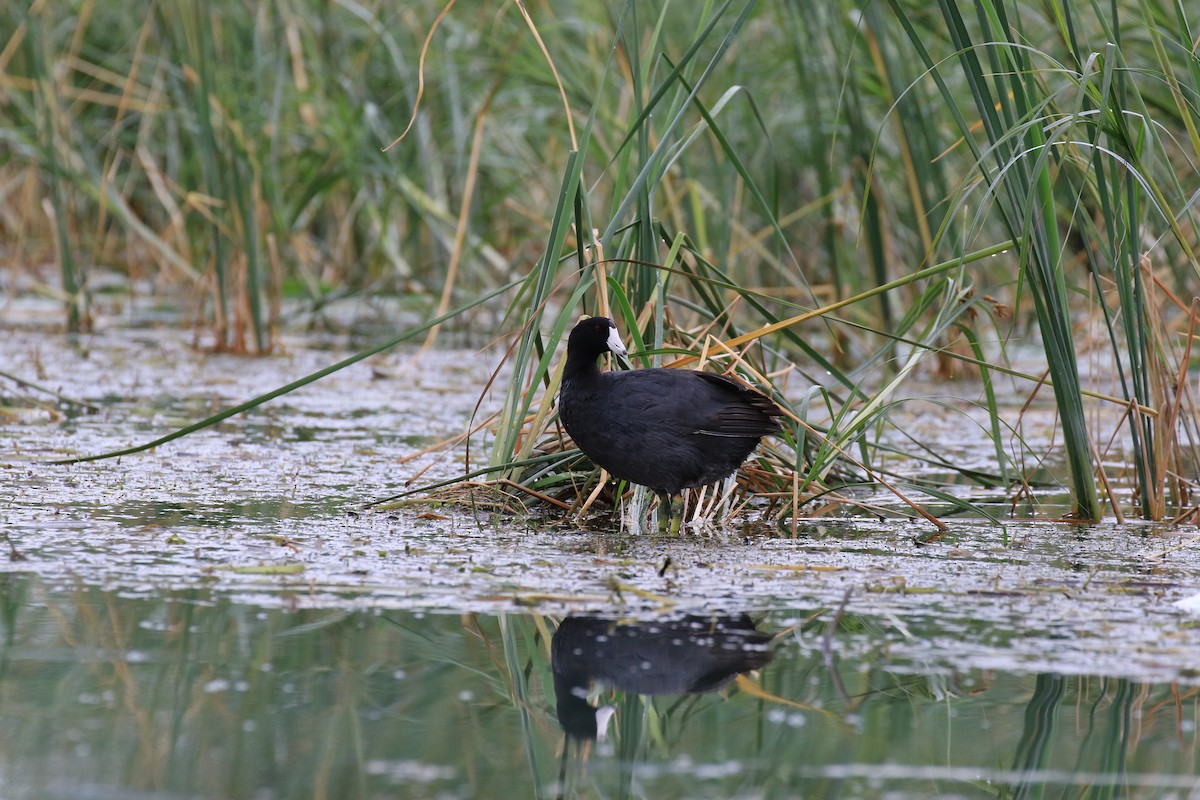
column 745, row 412
column 692, row 402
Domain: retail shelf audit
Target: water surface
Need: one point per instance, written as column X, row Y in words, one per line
column 193, row 694
column 221, row 618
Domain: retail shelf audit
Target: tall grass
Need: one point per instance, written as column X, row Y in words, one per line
column 764, row 188
column 235, row 157
column 1028, row 180
column 1072, row 147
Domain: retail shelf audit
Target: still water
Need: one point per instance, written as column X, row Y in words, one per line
column 191, row 693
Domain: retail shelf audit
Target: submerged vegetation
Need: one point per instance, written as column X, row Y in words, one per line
column 827, row 199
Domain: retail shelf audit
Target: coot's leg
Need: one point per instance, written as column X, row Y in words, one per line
column 664, row 512
column 669, row 517
column 676, row 515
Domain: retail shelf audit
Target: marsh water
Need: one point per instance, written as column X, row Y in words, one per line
column 220, row 617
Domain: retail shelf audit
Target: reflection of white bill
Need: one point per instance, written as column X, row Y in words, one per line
column 602, row 715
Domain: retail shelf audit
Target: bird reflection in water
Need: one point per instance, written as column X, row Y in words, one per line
column 689, row 655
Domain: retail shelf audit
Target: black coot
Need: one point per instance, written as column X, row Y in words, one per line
column 668, row 429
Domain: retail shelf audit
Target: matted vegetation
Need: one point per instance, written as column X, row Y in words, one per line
column 824, row 199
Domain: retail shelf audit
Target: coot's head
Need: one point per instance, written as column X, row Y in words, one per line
column 592, row 337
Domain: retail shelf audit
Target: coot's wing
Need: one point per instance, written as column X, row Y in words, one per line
column 744, row 412
column 664, row 403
